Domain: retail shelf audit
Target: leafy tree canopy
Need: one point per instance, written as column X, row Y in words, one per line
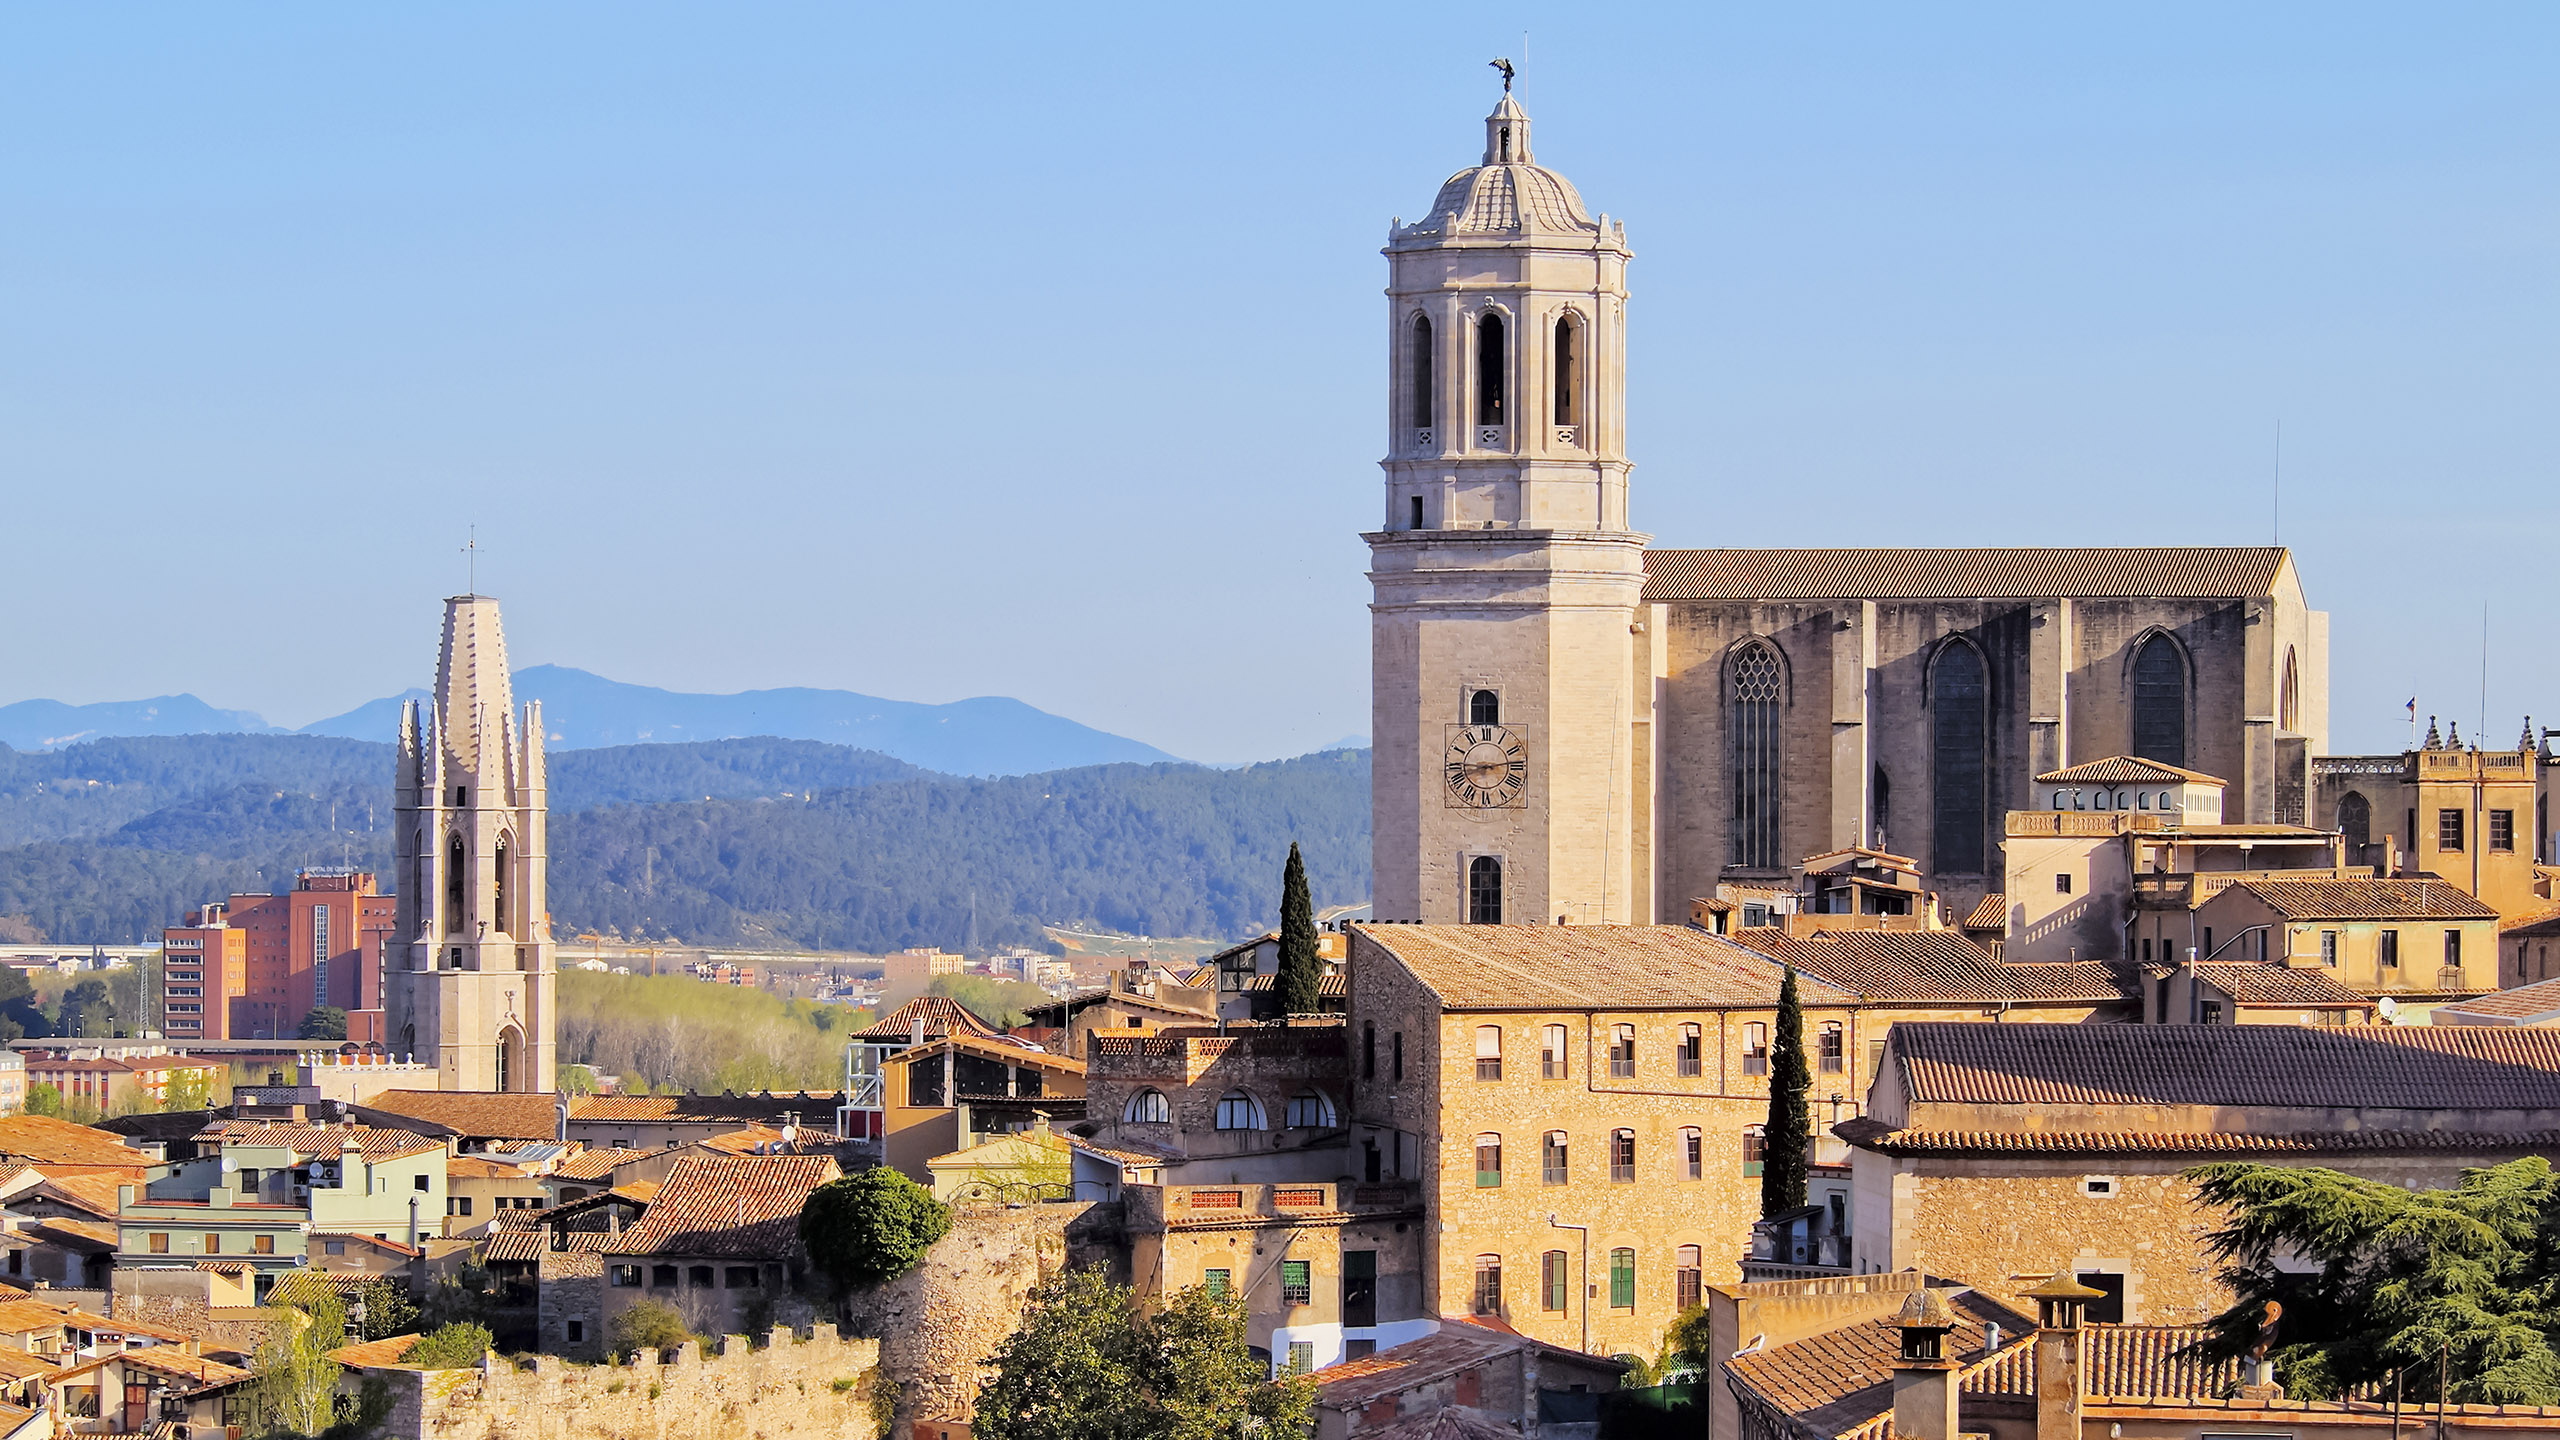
column 450, row 1347
column 647, row 1325
column 870, row 1228
column 324, row 1022
column 2374, row 1278
column 1086, row 1365
column 44, row 1099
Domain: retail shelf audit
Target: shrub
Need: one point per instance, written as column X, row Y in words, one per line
column 647, row 1325
column 449, row 1347
column 870, row 1228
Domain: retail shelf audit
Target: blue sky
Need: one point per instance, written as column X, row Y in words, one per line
column 937, row 352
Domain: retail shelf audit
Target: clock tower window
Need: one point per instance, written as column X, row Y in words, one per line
column 1484, row 708
column 1489, row 370
column 1484, row 891
column 1421, row 370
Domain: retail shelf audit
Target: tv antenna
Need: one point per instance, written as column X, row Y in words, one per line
column 471, row 561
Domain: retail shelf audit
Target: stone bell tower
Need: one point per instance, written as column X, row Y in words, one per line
column 1511, row 685
column 469, row 975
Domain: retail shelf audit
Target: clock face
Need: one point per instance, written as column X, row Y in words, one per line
column 1486, row 767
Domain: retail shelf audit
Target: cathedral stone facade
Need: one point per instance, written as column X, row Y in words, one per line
column 1571, row 726
column 470, row 973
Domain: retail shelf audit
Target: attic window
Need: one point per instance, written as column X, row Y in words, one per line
column 2098, row 1187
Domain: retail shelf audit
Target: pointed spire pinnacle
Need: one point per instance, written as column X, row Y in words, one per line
column 2525, row 745
column 2434, row 742
column 474, row 692
column 2453, row 735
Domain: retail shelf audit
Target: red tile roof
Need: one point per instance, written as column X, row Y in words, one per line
column 1876, row 1136
column 93, row 1193
column 2535, row 1004
column 2366, row 900
column 41, row 1139
column 322, row 1139
column 747, row 1208
column 596, row 1164
column 1841, row 1379
column 2258, row 982
column 941, row 1016
column 689, row 1109
column 2119, row 1361
column 1935, row 965
column 1991, row 912
column 2414, row 1067
column 519, row 1246
column 374, row 1354
column 1622, row 967
column 480, row 1115
column 2110, row 573
column 2127, row 770
column 2543, row 919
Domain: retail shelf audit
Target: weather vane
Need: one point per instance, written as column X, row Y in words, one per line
column 1504, row 65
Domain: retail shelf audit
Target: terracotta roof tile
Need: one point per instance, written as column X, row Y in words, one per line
column 1842, row 1379
column 2119, row 1361
column 2542, row 919
column 17, row 1364
column 2258, row 982
column 2366, row 900
column 93, row 1193
column 1878, row 1137
column 2535, row 1004
column 753, row 1140
column 1333, row 985
column 478, row 1114
column 1446, row 1351
column 747, row 1208
column 473, row 1167
column 731, row 1110
column 2127, row 770
column 1991, row 912
column 941, row 1016
column 41, row 1140
column 377, row 1144
column 93, row 1232
column 2324, row 1067
column 1452, row 1423
column 597, row 1164
column 166, row 1360
column 374, row 1354
column 1536, row 967
column 2177, row 573
column 1939, row 965
column 520, row 1246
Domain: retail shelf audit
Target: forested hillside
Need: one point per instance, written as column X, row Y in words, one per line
column 800, row 842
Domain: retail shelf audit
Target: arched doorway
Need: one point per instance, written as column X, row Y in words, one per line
column 511, row 1071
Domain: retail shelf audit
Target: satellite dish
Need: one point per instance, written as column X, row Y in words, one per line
column 2389, row 1008
column 230, row 1164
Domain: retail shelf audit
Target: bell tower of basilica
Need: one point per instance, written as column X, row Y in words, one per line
column 1511, row 688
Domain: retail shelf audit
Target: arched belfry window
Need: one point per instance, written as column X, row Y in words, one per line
column 1484, row 708
column 2160, row 702
column 1751, row 741
column 454, row 885
column 503, row 911
column 1960, row 734
column 2355, row 824
column 1421, row 398
column 1484, row 891
column 1568, row 372
column 1490, row 371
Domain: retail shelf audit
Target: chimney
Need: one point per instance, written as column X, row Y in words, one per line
column 1924, row 1375
column 2058, row 1370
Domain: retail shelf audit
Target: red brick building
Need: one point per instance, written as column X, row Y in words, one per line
column 319, row 943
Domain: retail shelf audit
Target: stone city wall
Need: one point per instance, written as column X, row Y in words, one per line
column 820, row 1387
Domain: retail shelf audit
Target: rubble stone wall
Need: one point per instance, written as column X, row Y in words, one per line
column 818, row 1387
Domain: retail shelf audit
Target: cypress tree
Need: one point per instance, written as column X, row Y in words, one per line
column 1789, row 1133
column 1301, row 970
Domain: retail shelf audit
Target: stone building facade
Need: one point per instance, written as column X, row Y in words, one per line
column 470, row 976
column 2477, row 818
column 1571, row 724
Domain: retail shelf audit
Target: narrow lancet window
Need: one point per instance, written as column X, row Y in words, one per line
column 1568, row 381
column 1489, row 371
column 1421, row 406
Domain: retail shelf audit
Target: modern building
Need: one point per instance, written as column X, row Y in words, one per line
column 250, row 967
column 1571, row 724
column 118, row 1085
column 471, row 970
column 254, row 1192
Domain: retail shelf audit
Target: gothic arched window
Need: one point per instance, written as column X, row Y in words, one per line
column 454, row 886
column 2160, row 701
column 1489, row 370
column 1568, row 371
column 1484, row 891
column 1484, row 708
column 2355, row 823
column 2289, row 696
column 1959, row 726
column 498, row 915
column 1422, row 398
column 1751, row 741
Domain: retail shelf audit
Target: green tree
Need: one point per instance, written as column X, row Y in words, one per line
column 1789, row 1134
column 88, row 1011
column 450, row 1347
column 872, row 1227
column 388, row 1310
column 297, row 1382
column 324, row 1022
column 1301, row 969
column 1087, row 1366
column 646, row 1325
column 44, row 1099
column 577, row 1080
column 2374, row 1278
column 188, row 1090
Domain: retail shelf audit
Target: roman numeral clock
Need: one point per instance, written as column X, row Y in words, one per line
column 1486, row 767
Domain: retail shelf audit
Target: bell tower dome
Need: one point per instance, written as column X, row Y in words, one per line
column 1511, row 698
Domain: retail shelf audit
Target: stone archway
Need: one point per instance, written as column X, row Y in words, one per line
column 511, row 1059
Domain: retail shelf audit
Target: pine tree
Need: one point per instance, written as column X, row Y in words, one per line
column 1789, row 1133
column 1301, row 970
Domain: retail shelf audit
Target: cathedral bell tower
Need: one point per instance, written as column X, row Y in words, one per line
column 469, row 973
column 1512, row 698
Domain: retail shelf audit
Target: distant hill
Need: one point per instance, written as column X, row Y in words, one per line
column 800, row 842
column 985, row 736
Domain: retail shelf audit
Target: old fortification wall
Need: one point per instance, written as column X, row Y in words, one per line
column 818, row 1387
column 938, row 1323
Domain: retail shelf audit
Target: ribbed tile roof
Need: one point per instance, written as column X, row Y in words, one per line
column 596, row 1164
column 2413, row 1067
column 375, row 1144
column 2538, row 1003
column 2131, row 572
column 1991, row 912
column 2119, row 1361
column 1934, row 965
column 1873, row 1135
column 2367, row 900
column 746, row 1208
column 941, row 1015
column 41, row 1140
column 1842, row 1378
column 1635, row 967
column 2257, row 982
column 487, row 1115
column 2127, row 770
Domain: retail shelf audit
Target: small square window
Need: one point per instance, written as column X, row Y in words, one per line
column 419, row 1182
column 577, row 1331
column 626, row 1276
column 2062, row 883
column 1215, row 1282
column 743, row 1277
column 662, row 1277
column 1297, row 1287
column 1302, row 1356
column 2099, row 1187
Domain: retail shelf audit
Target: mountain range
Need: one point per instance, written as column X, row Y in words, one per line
column 989, row 735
